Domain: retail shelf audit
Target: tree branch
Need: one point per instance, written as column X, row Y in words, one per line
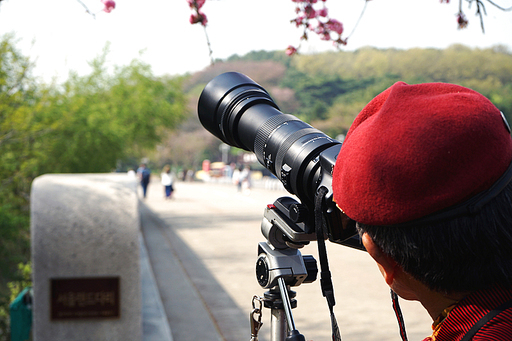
column 499, row 7
column 359, row 19
column 210, row 52
column 87, row 9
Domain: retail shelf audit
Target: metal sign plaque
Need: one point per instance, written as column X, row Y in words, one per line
column 84, row 298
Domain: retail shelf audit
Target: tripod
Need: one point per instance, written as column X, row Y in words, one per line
column 280, row 266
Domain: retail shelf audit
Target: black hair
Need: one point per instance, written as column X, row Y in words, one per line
column 461, row 254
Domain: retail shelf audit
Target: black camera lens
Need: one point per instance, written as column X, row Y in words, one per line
column 242, row 114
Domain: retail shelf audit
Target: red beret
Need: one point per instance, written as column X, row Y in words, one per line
column 417, row 149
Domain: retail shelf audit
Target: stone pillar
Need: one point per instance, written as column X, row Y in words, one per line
column 85, row 257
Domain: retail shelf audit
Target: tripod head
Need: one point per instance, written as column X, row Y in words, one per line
column 287, row 263
column 279, row 255
column 284, row 224
column 280, row 264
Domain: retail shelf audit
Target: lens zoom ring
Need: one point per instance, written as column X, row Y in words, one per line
column 290, row 140
column 266, row 130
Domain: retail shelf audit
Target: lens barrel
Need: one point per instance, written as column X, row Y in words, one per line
column 242, row 114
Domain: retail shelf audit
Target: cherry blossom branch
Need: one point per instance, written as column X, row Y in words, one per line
column 316, row 20
column 109, row 5
column 198, row 17
column 87, row 9
column 359, row 19
column 499, row 7
column 480, row 6
column 462, row 20
column 309, row 16
column 313, row 17
column 210, row 52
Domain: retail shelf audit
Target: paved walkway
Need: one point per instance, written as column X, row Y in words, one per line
column 202, row 246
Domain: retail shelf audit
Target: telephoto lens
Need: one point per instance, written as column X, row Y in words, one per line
column 241, row 113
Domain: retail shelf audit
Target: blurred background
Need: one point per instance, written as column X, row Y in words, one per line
column 86, row 91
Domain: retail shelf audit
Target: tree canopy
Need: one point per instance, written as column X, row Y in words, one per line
column 329, row 89
column 87, row 124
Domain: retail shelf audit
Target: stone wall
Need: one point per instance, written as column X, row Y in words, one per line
column 85, row 230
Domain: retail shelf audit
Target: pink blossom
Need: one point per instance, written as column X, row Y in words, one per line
column 109, row 5
column 325, row 36
column 335, row 25
column 322, row 12
column 310, row 12
column 290, row 50
column 339, row 42
column 198, row 17
column 462, row 20
column 320, row 29
column 299, row 20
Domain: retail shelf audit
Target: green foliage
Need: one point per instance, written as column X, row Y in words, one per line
column 12, row 228
column 4, row 321
column 17, row 97
column 99, row 119
column 455, row 64
column 88, row 124
column 15, row 287
column 318, row 93
column 333, row 87
column 262, row 55
column 23, row 281
column 328, row 90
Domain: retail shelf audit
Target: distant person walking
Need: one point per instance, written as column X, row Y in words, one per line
column 236, row 178
column 245, row 180
column 144, row 174
column 167, row 180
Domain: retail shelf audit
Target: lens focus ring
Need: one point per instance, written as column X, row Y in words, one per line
column 266, row 130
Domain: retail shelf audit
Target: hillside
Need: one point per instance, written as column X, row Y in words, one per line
column 328, row 90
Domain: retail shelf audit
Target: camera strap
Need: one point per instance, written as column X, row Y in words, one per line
column 325, row 274
column 399, row 316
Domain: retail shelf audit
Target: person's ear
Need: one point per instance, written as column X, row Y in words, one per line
column 387, row 265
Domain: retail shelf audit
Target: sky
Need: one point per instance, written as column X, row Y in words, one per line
column 60, row 36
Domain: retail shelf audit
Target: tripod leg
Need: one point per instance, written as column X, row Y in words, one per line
column 278, row 325
column 293, row 334
column 286, row 303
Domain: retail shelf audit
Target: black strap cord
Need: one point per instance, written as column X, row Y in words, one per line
column 399, row 316
column 325, row 274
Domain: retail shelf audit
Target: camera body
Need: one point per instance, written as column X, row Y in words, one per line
column 241, row 113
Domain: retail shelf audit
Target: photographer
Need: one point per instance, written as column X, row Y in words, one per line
column 424, row 171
